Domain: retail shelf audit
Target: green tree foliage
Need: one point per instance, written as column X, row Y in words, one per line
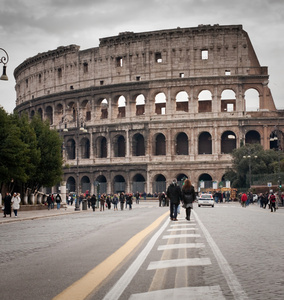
column 13, row 151
column 255, row 157
column 30, row 153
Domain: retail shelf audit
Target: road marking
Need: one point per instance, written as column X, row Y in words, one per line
column 126, row 278
column 174, row 236
column 180, row 246
column 203, row 293
column 184, row 225
column 85, row 286
column 183, row 262
column 182, row 229
column 227, row 271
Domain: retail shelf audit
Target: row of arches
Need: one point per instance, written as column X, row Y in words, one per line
column 182, row 100
column 159, row 145
column 137, row 183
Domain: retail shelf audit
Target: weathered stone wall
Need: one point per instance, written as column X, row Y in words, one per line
column 70, row 87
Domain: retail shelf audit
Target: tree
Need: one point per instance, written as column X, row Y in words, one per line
column 13, row 152
column 49, row 169
column 254, row 158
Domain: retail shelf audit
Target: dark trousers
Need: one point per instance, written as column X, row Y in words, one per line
column 188, row 211
column 272, row 206
column 173, row 210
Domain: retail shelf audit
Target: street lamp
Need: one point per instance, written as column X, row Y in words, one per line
column 249, row 156
column 4, row 60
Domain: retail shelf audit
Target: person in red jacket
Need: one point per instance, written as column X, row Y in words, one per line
column 244, row 199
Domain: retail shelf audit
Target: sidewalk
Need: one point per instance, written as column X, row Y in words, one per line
column 37, row 214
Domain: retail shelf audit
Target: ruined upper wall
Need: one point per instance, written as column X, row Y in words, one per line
column 190, row 53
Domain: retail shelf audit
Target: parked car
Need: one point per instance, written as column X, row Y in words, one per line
column 205, row 200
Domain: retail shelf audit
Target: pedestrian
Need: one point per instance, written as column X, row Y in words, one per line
column 265, row 200
column 174, row 194
column 164, row 199
column 16, row 203
column 89, row 200
column 121, row 200
column 244, row 199
column 261, row 199
column 160, row 199
column 188, row 197
column 7, row 205
column 129, row 201
column 108, row 202
column 137, row 196
column 272, row 201
column 58, row 201
column 49, row 201
column 115, row 201
column 93, row 201
column 52, row 203
column 102, row 202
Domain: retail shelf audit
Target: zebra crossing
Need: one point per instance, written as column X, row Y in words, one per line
column 182, row 230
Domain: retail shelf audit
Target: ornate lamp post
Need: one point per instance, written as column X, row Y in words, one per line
column 4, row 60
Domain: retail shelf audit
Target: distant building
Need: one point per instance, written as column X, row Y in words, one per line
column 143, row 108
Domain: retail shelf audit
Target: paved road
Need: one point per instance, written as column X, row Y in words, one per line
column 226, row 252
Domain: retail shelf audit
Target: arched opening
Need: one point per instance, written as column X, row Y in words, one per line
column 204, row 101
column 160, row 104
column 228, row 142
column 182, row 144
column 138, row 183
column 159, row 184
column 252, row 100
column 71, row 149
column 181, row 178
column 119, row 146
column 205, row 181
column 101, row 184
column 121, row 107
column 140, row 105
column 102, row 147
column 182, row 101
column 138, row 145
column 85, row 185
column 205, row 143
column 160, row 144
column 228, row 101
column 252, row 137
column 276, row 140
column 71, row 184
column 119, row 184
column 104, row 109
column 85, row 148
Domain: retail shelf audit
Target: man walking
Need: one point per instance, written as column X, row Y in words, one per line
column 174, row 194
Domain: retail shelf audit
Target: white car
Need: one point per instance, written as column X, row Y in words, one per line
column 205, row 200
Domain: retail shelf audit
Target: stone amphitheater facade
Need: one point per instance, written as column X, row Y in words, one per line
column 143, row 108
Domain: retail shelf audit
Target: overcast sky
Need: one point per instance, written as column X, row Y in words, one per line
column 29, row 27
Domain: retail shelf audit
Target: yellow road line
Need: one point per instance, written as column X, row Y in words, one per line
column 84, row 286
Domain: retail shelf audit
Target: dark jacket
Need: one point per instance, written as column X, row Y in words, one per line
column 174, row 193
column 188, row 192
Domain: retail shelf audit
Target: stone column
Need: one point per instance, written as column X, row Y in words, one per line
column 63, row 191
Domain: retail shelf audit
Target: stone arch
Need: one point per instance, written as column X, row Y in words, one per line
column 180, row 178
column 103, row 108
column 39, row 111
column 205, row 101
column 251, row 99
column 252, row 137
column 160, row 103
column 101, row 184
column 228, row 100
column 181, row 144
column 276, row 140
column 138, row 145
column 182, row 101
column 206, row 179
column 119, row 184
column 85, row 185
column 228, row 142
column 71, row 149
column 59, row 109
column 138, row 183
column 85, row 148
column 205, row 143
column 159, row 183
column 140, row 105
column 119, row 146
column 101, row 146
column 160, row 144
column 71, row 184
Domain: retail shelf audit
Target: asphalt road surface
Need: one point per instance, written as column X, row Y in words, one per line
column 225, row 252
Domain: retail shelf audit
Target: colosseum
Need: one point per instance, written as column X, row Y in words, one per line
column 143, row 108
